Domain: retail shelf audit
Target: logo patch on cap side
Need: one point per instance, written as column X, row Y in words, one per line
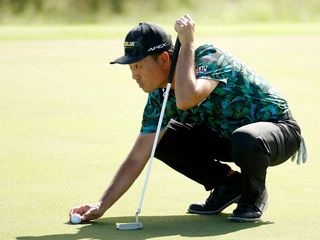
column 129, row 44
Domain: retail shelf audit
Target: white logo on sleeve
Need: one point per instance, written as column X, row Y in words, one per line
column 201, row 69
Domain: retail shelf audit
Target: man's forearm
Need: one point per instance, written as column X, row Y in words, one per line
column 185, row 81
column 128, row 171
column 122, row 181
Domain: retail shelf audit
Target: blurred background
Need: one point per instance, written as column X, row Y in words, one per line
column 103, row 11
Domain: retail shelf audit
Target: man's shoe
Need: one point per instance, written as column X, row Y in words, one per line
column 246, row 213
column 249, row 212
column 221, row 197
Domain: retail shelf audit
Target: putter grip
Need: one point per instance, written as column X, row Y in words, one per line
column 174, row 60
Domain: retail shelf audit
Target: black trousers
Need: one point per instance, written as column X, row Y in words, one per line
column 199, row 153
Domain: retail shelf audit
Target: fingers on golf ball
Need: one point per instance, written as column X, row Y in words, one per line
column 75, row 219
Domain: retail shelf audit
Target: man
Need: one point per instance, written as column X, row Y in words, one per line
column 218, row 111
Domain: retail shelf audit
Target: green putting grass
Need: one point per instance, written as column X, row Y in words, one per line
column 68, row 119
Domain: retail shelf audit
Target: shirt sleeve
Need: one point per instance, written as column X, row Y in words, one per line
column 152, row 112
column 212, row 63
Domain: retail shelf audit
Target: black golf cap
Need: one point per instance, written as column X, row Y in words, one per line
column 144, row 40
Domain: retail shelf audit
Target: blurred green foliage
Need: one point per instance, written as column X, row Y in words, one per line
column 100, row 11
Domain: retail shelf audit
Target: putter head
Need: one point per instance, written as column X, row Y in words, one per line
column 129, row 226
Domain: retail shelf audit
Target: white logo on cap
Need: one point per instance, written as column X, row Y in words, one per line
column 162, row 45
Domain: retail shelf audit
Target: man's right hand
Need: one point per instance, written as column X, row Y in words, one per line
column 87, row 212
column 124, row 178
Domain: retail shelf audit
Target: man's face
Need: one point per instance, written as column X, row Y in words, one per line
column 150, row 73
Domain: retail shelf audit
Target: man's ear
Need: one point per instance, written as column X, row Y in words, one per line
column 165, row 59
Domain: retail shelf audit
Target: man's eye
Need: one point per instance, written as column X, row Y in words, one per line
column 135, row 66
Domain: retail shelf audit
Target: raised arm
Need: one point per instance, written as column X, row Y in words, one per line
column 189, row 91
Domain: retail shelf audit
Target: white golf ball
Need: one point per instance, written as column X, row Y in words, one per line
column 75, row 218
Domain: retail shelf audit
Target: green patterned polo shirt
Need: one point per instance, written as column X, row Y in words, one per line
column 241, row 97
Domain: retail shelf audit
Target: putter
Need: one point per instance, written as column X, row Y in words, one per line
column 137, row 224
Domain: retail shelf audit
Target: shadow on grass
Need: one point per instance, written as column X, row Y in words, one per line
column 154, row 226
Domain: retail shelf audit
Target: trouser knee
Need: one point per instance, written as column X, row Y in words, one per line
column 253, row 161
column 248, row 152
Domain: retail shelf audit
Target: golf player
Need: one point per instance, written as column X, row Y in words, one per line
column 218, row 111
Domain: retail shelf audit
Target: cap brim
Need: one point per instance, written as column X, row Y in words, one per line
column 127, row 59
